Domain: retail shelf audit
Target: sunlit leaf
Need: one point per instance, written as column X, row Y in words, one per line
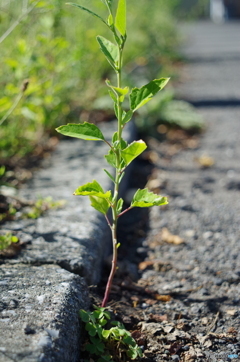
column 99, row 204
column 133, row 150
column 109, row 49
column 86, row 131
column 92, row 189
column 140, row 96
column 120, row 21
column 145, row 198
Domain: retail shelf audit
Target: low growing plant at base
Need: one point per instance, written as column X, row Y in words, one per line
column 120, row 153
column 108, row 344
column 6, row 240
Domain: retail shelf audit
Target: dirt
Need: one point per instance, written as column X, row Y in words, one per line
column 176, row 310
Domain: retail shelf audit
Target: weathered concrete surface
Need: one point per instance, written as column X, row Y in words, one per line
column 75, row 237
column 40, row 294
column 39, row 313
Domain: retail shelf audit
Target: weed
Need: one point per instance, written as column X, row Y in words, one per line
column 6, row 240
column 108, row 344
column 120, row 153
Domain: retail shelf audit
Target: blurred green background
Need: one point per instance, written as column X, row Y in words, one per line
column 52, row 48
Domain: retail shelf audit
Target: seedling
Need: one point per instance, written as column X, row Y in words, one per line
column 120, row 153
column 108, row 344
column 6, row 240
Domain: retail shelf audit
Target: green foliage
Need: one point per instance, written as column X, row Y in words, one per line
column 105, row 343
column 40, row 206
column 144, row 198
column 6, row 240
column 86, row 131
column 140, row 96
column 44, row 52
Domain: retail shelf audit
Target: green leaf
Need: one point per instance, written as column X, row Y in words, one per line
column 85, row 131
column 127, row 117
column 111, row 158
column 109, row 175
column 84, row 316
column 109, row 49
column 133, row 150
column 88, row 11
column 112, row 95
column 92, row 189
column 99, row 204
column 145, row 198
column 140, row 96
column 119, row 205
column 106, row 333
column 120, row 20
column 91, row 329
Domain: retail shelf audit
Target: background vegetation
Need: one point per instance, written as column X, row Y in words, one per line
column 51, row 68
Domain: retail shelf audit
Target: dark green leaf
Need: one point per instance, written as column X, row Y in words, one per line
column 88, row 11
column 91, row 329
column 109, row 49
column 145, row 198
column 133, row 150
column 86, row 131
column 84, row 316
column 140, row 96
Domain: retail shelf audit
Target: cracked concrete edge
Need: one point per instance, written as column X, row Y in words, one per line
column 69, row 241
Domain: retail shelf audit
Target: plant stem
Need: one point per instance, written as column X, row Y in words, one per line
column 116, row 185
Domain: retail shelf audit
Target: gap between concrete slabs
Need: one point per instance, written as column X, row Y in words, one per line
column 45, row 285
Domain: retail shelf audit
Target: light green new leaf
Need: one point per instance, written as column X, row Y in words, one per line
column 127, row 117
column 120, row 20
column 120, row 91
column 140, row 96
column 119, row 205
column 109, row 175
column 92, row 189
column 111, row 158
column 88, row 11
column 109, row 49
column 145, row 198
column 133, row 150
column 86, row 131
column 99, row 204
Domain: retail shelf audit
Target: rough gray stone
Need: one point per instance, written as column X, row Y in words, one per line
column 39, row 313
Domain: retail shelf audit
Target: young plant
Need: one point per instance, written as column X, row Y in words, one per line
column 108, row 344
column 120, row 153
column 6, row 240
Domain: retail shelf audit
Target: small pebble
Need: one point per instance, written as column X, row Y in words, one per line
column 185, row 348
column 232, row 356
column 175, row 357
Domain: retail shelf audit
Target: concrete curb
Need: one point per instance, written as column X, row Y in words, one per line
column 40, row 291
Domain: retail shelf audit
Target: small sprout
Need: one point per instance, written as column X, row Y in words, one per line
column 6, row 240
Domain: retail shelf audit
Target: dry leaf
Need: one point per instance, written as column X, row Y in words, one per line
column 158, row 318
column 205, row 161
column 162, row 298
column 231, row 312
column 170, row 238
